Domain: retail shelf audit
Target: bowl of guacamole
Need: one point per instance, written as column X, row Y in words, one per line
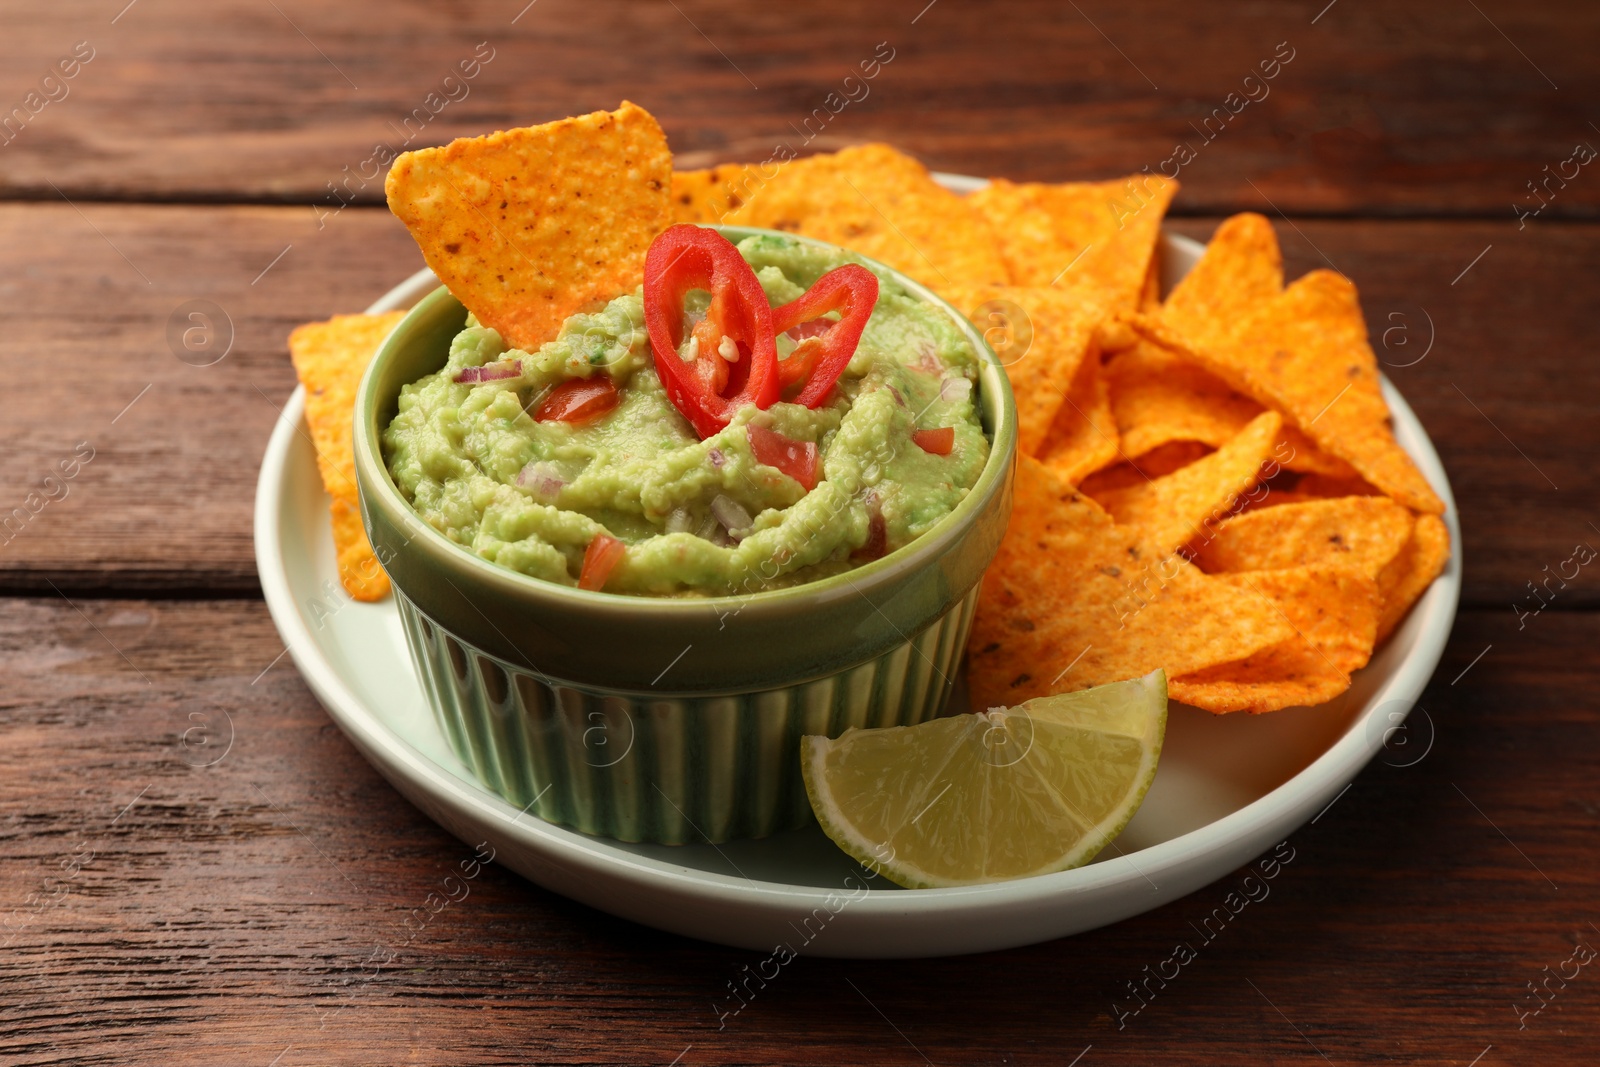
column 798, row 568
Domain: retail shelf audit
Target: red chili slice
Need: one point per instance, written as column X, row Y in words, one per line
column 851, row 290
column 709, row 388
column 599, row 560
column 797, row 459
column 579, row 401
column 937, row 442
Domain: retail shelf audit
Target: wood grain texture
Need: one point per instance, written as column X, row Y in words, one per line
column 1506, row 389
column 229, row 913
column 164, row 901
column 1437, row 108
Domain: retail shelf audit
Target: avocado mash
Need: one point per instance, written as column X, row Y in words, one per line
column 697, row 517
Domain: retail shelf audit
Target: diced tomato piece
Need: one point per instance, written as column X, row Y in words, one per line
column 599, row 560
column 579, row 400
column 936, row 442
column 797, row 459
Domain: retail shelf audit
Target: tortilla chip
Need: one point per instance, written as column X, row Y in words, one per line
column 530, row 226
column 1094, row 238
column 1333, row 606
column 1319, row 485
column 1083, row 437
column 1169, row 512
column 1115, row 333
column 1042, row 336
column 882, row 203
column 1305, row 353
column 1410, row 573
column 1150, row 296
column 1288, row 675
column 1334, row 611
column 329, row 359
column 1158, row 397
column 706, row 196
column 1073, row 601
column 359, row 571
column 1362, row 532
column 1242, row 268
column 1296, row 452
column 1153, row 464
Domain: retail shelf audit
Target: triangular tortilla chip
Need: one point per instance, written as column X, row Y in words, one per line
column 1073, row 601
column 882, row 203
column 1330, row 487
column 706, row 196
column 1330, row 605
column 1297, row 453
column 1287, row 675
column 1159, row 397
column 1170, row 511
column 529, row 226
column 1363, row 532
column 1306, row 354
column 329, row 358
column 1334, row 612
column 1042, row 336
column 1242, row 268
column 1154, row 464
column 359, row 571
column 1095, row 238
column 1150, row 296
column 1410, row 573
column 1083, row 437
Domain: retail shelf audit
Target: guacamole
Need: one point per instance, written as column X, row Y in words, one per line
column 697, row 517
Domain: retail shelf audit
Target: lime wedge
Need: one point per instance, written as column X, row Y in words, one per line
column 1004, row 794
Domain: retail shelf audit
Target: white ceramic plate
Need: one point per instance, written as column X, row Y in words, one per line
column 1228, row 788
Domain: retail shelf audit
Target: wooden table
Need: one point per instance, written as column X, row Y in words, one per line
column 160, row 912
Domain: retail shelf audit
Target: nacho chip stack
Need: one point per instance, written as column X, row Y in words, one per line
column 1233, row 436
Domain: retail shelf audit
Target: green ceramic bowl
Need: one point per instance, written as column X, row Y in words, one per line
column 670, row 720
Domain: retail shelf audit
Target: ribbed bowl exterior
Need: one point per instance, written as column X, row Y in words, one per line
column 673, row 769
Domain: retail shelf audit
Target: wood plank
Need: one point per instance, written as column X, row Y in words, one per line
column 228, row 913
column 166, row 501
column 1442, row 108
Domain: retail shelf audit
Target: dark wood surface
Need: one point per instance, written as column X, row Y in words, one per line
column 153, row 911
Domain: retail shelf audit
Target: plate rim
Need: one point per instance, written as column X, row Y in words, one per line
column 449, row 800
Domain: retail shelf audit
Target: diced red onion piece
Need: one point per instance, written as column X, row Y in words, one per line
column 716, row 457
column 542, row 479
column 679, row 521
column 955, row 389
column 731, row 513
column 877, row 542
column 491, row 372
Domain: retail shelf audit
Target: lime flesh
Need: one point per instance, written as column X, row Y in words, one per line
column 1008, row 793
